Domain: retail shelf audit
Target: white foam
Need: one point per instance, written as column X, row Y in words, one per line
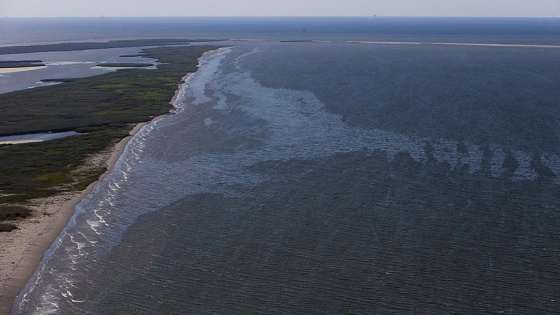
column 207, row 68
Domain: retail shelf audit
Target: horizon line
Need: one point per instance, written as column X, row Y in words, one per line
column 280, row 16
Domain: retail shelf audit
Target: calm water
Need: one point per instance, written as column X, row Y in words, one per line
column 64, row 65
column 332, row 177
column 24, row 31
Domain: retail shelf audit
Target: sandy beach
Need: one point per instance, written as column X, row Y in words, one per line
column 23, row 249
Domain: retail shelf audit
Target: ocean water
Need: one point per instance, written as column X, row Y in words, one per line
column 332, row 177
column 25, row 31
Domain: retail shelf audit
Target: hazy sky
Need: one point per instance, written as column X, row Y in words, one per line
column 545, row 8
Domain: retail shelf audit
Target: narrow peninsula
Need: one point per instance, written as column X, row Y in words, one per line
column 42, row 182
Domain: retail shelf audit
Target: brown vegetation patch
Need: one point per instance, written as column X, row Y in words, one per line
column 13, row 212
column 7, row 227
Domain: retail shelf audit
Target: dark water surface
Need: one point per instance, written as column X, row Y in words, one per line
column 329, row 177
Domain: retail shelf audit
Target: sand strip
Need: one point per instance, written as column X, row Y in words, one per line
column 456, row 44
column 20, row 141
column 22, row 249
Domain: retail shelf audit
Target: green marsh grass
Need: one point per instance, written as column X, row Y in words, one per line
column 104, row 108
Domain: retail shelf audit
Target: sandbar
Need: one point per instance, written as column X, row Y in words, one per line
column 20, row 69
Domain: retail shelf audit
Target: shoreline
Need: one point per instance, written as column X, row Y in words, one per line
column 184, row 80
column 24, row 248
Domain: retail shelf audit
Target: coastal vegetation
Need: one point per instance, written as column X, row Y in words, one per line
column 103, row 108
column 56, row 80
column 94, row 45
column 21, row 63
